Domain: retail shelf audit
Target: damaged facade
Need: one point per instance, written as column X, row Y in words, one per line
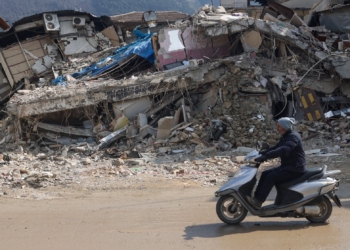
column 36, row 48
column 215, row 80
column 124, row 24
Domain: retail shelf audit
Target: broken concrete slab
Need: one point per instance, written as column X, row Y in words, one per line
column 313, row 151
column 24, row 91
column 119, row 122
column 251, row 41
column 132, row 131
column 67, row 130
column 279, row 22
column 164, row 149
column 245, row 149
column 88, row 124
column 130, row 108
column 234, row 25
column 164, row 127
column 42, row 65
column 208, row 100
column 142, row 119
column 57, row 99
column 326, row 85
column 147, row 131
column 341, row 65
column 177, row 115
column 280, row 32
column 164, row 103
column 61, row 140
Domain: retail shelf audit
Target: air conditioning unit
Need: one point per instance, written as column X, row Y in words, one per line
column 51, row 22
column 78, row 21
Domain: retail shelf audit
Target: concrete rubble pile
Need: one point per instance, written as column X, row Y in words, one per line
column 174, row 101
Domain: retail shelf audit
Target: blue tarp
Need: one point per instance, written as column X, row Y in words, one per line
column 142, row 47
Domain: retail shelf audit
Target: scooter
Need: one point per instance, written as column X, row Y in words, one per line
column 303, row 197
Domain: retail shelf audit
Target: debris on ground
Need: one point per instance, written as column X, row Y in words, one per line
column 186, row 100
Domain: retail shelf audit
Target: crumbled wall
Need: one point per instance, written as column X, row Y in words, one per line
column 251, row 115
column 237, row 101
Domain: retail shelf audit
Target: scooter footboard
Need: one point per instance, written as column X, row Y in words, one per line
column 224, row 192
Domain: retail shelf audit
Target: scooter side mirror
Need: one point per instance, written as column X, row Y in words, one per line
column 265, row 145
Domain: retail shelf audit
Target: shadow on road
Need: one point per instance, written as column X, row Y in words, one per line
column 345, row 203
column 220, row 229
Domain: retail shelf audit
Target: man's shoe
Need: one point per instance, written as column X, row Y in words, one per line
column 254, row 202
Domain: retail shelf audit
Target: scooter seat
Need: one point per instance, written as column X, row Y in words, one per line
column 307, row 175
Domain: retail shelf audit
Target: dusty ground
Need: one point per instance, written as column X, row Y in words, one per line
column 159, row 216
column 54, row 201
column 36, row 174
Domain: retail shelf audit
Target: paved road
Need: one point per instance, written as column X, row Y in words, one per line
column 158, row 218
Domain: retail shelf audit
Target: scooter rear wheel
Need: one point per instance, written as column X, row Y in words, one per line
column 326, row 211
column 229, row 210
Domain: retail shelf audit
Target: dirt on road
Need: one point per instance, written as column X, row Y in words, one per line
column 31, row 175
column 50, row 201
column 159, row 215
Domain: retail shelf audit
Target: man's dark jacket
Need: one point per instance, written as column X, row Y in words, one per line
column 290, row 149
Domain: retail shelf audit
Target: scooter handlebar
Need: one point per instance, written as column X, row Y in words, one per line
column 257, row 164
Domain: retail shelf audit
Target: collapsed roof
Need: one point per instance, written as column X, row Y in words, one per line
column 214, row 61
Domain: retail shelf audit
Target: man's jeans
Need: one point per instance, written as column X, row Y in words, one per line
column 272, row 177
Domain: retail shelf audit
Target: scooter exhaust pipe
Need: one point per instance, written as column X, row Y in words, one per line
column 309, row 210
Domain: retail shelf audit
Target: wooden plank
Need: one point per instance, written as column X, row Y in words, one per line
column 29, row 25
column 14, row 60
column 19, row 76
column 16, row 50
column 6, row 69
column 32, row 45
column 67, row 130
column 19, row 68
column 155, row 49
column 13, row 51
column 112, row 35
column 19, row 71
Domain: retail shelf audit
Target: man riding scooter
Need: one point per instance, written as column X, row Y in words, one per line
column 290, row 150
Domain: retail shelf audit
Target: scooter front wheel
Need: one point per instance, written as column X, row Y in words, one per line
column 229, row 210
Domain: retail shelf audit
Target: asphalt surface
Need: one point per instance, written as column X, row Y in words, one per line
column 158, row 218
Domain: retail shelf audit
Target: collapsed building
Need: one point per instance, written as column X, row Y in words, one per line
column 35, row 46
column 216, row 78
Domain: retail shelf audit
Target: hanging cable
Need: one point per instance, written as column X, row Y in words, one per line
column 285, row 103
